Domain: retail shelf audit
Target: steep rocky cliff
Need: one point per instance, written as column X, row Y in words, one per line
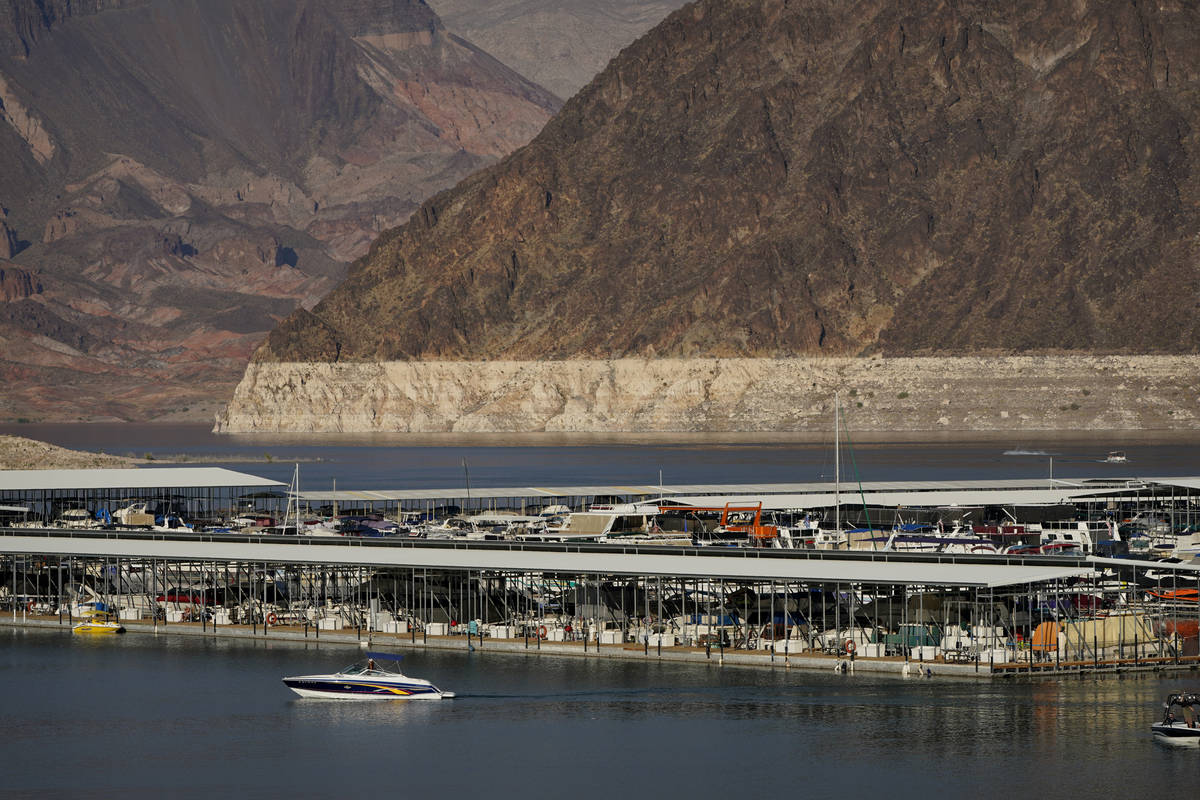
column 178, row 175
column 768, row 178
column 960, row 394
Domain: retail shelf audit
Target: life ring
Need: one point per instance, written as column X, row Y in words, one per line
column 541, row 631
column 272, row 619
column 850, row 647
column 29, row 607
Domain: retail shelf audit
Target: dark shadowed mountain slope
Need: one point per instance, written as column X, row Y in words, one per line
column 763, row 178
column 178, row 175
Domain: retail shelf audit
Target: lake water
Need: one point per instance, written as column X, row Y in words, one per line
column 183, row 717
column 436, row 461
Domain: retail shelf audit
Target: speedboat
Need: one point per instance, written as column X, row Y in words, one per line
column 369, row 680
column 97, row 626
column 1174, row 731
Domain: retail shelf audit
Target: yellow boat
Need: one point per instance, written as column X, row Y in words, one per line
column 98, row 626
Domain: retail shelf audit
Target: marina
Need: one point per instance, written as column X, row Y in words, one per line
column 995, row 577
column 767, row 653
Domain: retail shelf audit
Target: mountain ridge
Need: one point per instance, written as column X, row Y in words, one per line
column 768, row 179
column 178, row 175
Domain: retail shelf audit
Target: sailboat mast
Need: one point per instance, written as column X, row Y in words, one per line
column 837, row 465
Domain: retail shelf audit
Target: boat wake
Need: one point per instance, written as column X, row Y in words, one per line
column 1026, row 453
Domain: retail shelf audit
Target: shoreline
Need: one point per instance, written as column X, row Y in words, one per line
column 891, row 666
column 626, row 652
column 745, row 397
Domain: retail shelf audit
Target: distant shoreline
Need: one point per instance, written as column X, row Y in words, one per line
column 741, row 398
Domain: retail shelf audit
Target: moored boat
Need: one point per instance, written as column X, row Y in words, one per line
column 369, row 680
column 97, row 626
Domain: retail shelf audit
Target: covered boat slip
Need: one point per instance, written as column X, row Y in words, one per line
column 920, row 569
column 868, row 503
column 196, row 492
column 979, row 614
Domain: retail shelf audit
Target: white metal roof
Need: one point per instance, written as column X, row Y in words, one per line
column 952, row 499
column 26, row 480
column 615, row 560
column 777, row 495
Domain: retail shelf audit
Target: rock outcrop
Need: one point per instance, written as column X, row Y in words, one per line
column 18, row 452
column 964, row 394
column 774, row 180
column 181, row 175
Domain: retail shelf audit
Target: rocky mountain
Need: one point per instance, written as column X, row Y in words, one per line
column 765, row 178
column 559, row 44
column 178, row 175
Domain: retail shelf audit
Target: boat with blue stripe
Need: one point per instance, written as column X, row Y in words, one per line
column 377, row 678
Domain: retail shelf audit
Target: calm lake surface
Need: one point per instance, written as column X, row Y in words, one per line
column 436, row 461
column 181, row 717
column 175, row 716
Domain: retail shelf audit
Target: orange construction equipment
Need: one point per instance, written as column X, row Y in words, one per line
column 751, row 527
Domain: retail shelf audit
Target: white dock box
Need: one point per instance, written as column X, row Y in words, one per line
column 926, row 653
column 501, row 632
column 382, row 618
column 998, row 655
column 395, row 627
column 663, row 639
column 174, row 615
column 331, row 623
column 956, row 642
column 873, row 650
column 129, row 613
column 438, row 629
column 221, row 616
column 610, row 637
column 556, row 635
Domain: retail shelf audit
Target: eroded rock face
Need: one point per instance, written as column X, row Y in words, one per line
column 177, row 200
column 16, row 284
column 965, row 394
column 756, row 178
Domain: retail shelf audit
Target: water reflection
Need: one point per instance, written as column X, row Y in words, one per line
column 140, row 713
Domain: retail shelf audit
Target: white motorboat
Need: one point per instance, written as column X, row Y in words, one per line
column 1173, row 731
column 369, row 680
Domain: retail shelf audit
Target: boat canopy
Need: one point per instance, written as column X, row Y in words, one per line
column 386, row 656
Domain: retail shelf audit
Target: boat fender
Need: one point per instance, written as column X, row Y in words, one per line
column 272, row 619
column 541, row 631
column 850, row 646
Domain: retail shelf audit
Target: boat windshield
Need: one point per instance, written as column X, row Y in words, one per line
column 370, row 667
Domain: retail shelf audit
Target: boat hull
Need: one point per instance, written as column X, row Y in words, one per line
column 346, row 688
column 98, row 628
column 1177, row 734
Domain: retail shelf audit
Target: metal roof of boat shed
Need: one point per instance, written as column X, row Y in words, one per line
column 31, row 480
column 776, row 495
column 712, row 562
column 850, row 497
